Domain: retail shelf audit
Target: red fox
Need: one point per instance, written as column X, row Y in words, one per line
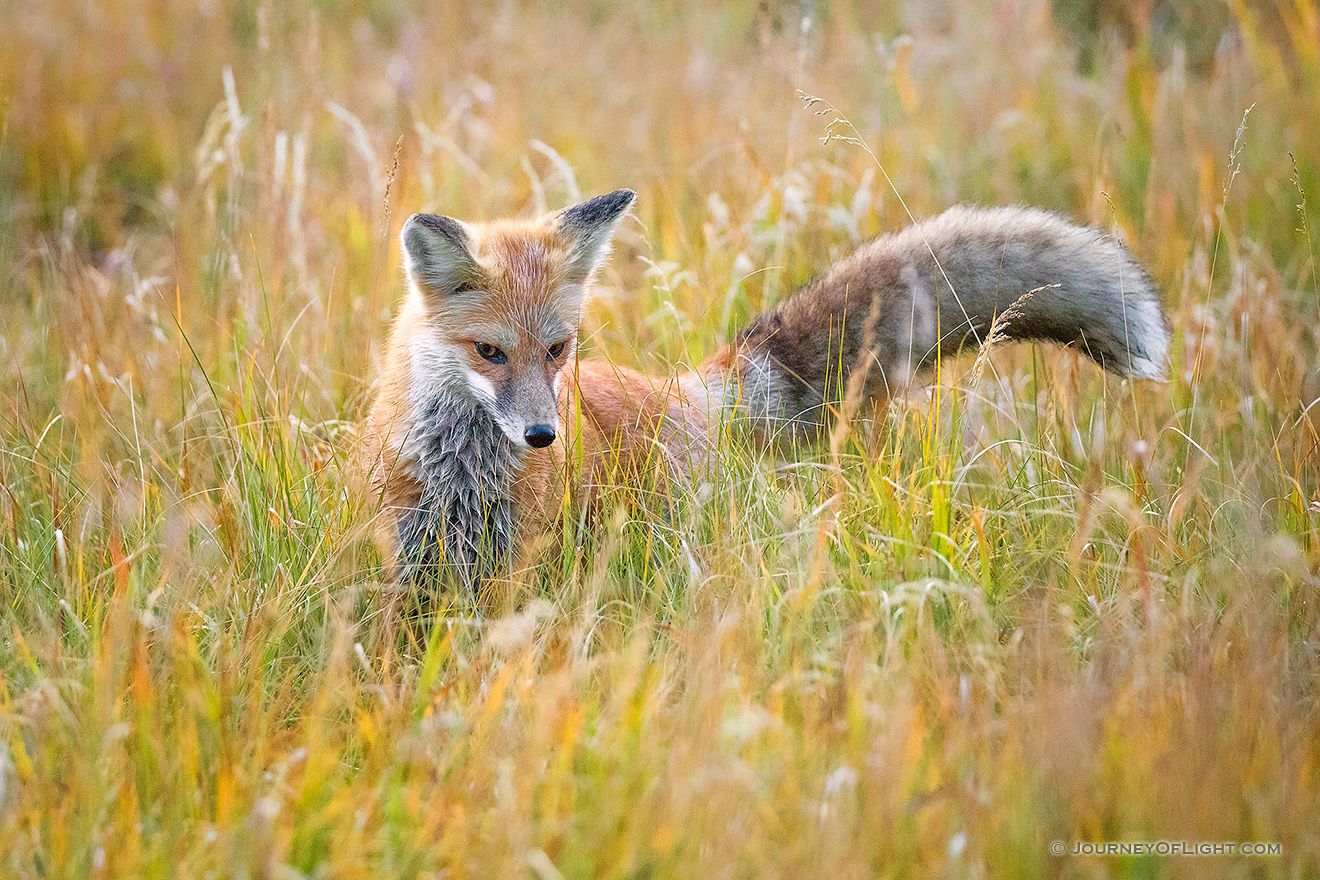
column 465, row 443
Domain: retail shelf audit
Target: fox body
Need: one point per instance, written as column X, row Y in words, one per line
column 485, row 418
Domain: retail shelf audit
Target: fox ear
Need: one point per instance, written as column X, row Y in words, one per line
column 589, row 227
column 436, row 255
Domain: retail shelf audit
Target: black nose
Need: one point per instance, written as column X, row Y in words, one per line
column 540, row 436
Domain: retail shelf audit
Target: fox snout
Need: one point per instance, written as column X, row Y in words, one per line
column 527, row 409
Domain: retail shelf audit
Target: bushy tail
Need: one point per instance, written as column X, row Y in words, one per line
column 897, row 303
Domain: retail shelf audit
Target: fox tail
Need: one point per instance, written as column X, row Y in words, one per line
column 898, row 303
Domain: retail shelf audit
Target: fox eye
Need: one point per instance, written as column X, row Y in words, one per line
column 492, row 353
column 465, row 287
column 553, row 352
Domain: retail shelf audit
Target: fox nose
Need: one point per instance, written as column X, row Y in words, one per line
column 539, row 436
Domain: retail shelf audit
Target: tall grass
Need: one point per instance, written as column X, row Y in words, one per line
column 1030, row 603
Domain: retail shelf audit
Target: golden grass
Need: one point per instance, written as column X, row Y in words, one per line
column 1041, row 604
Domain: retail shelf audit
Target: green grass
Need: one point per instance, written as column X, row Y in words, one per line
column 1036, row 603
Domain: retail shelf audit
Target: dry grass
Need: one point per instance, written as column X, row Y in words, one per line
column 1041, row 604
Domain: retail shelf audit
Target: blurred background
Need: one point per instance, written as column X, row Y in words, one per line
column 173, row 150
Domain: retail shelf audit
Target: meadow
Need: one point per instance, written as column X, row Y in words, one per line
column 1034, row 604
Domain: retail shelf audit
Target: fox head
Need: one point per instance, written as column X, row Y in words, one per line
column 501, row 305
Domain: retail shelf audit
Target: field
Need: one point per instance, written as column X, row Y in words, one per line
column 1036, row 604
